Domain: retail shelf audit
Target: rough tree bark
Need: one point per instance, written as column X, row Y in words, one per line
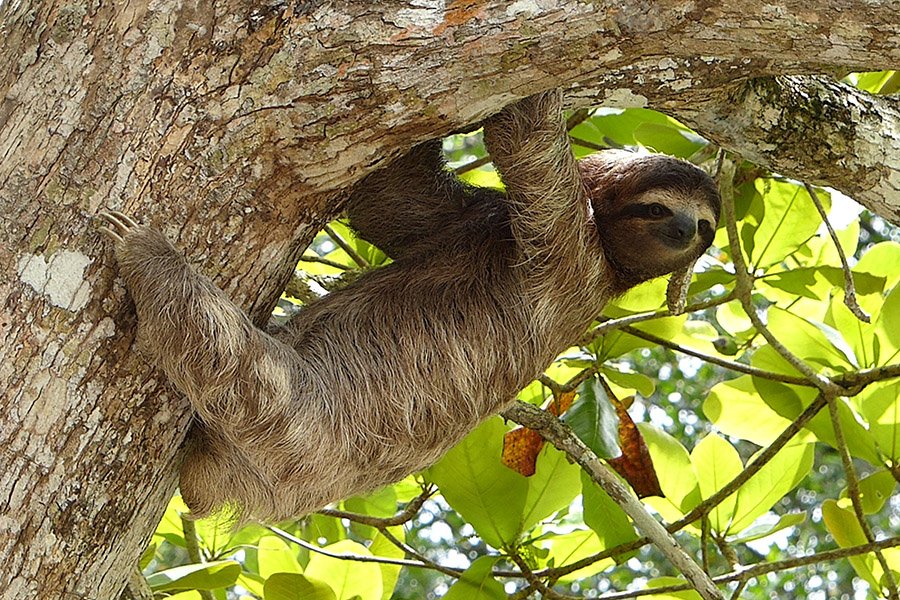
column 233, row 127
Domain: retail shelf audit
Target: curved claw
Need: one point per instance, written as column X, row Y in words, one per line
column 119, row 224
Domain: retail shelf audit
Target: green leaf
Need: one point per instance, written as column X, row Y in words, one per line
column 382, row 546
column 147, row 556
column 874, row 491
column 779, row 476
column 487, row 494
column 380, row 503
column 553, row 486
column 887, row 325
column 669, row 139
column 790, row 219
column 845, row 529
column 873, row 82
column 659, row 582
column 477, row 583
column 571, row 547
column 593, row 419
column 673, row 468
column 759, row 532
column 293, row 586
column 715, row 463
column 604, row 516
column 882, row 260
column 819, row 282
column 880, row 406
column 636, row 381
column 203, row 576
column 275, row 556
column 811, row 341
column 737, row 409
column 347, row 578
column 859, row 441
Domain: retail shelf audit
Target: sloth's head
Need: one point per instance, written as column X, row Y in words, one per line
column 655, row 214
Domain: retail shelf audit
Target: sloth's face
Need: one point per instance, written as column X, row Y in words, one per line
column 654, row 214
column 659, row 232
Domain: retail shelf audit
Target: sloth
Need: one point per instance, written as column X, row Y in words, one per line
column 379, row 379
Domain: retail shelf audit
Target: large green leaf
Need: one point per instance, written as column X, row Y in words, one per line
column 567, row 548
column 293, row 586
column 887, row 328
column 275, row 556
column 874, row 490
column 490, row 496
column 882, row 260
column 859, row 441
column 347, row 578
column 593, row 419
column 771, row 483
column 790, row 220
column 382, row 546
column 637, row 126
column 737, row 409
column 604, row 516
column 553, row 486
column 810, row 341
column 673, row 468
column 715, row 463
column 203, row 576
column 880, row 406
column 846, row 531
column 758, row 532
column 477, row 583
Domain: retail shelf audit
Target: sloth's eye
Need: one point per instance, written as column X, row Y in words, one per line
column 704, row 226
column 657, row 210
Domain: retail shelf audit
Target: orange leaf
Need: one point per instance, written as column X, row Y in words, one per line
column 521, row 446
column 635, row 464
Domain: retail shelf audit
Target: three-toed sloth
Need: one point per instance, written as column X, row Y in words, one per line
column 379, row 379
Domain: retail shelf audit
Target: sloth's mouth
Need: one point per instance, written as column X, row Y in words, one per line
column 676, row 242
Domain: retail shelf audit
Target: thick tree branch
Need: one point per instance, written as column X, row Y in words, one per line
column 811, row 128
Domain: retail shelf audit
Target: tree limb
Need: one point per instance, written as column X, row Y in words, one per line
column 554, row 431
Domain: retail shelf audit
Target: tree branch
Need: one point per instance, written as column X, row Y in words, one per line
column 808, row 127
column 554, row 431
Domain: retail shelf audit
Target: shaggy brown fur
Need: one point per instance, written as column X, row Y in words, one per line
column 380, row 379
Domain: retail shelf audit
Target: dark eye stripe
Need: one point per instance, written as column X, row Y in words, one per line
column 646, row 211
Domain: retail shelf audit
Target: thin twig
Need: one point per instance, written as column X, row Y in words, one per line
column 752, row 571
column 411, row 509
column 855, row 496
column 411, row 552
column 587, row 144
column 324, row 261
column 849, row 289
column 608, row 325
column 350, row 250
column 744, row 284
column 192, row 546
column 578, row 117
column 854, row 382
column 554, row 431
column 728, row 364
column 534, row 581
column 357, row 557
column 472, row 165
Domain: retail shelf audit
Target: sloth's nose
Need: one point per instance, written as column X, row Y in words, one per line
column 682, row 227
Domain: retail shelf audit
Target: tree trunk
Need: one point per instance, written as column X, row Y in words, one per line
column 232, row 128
